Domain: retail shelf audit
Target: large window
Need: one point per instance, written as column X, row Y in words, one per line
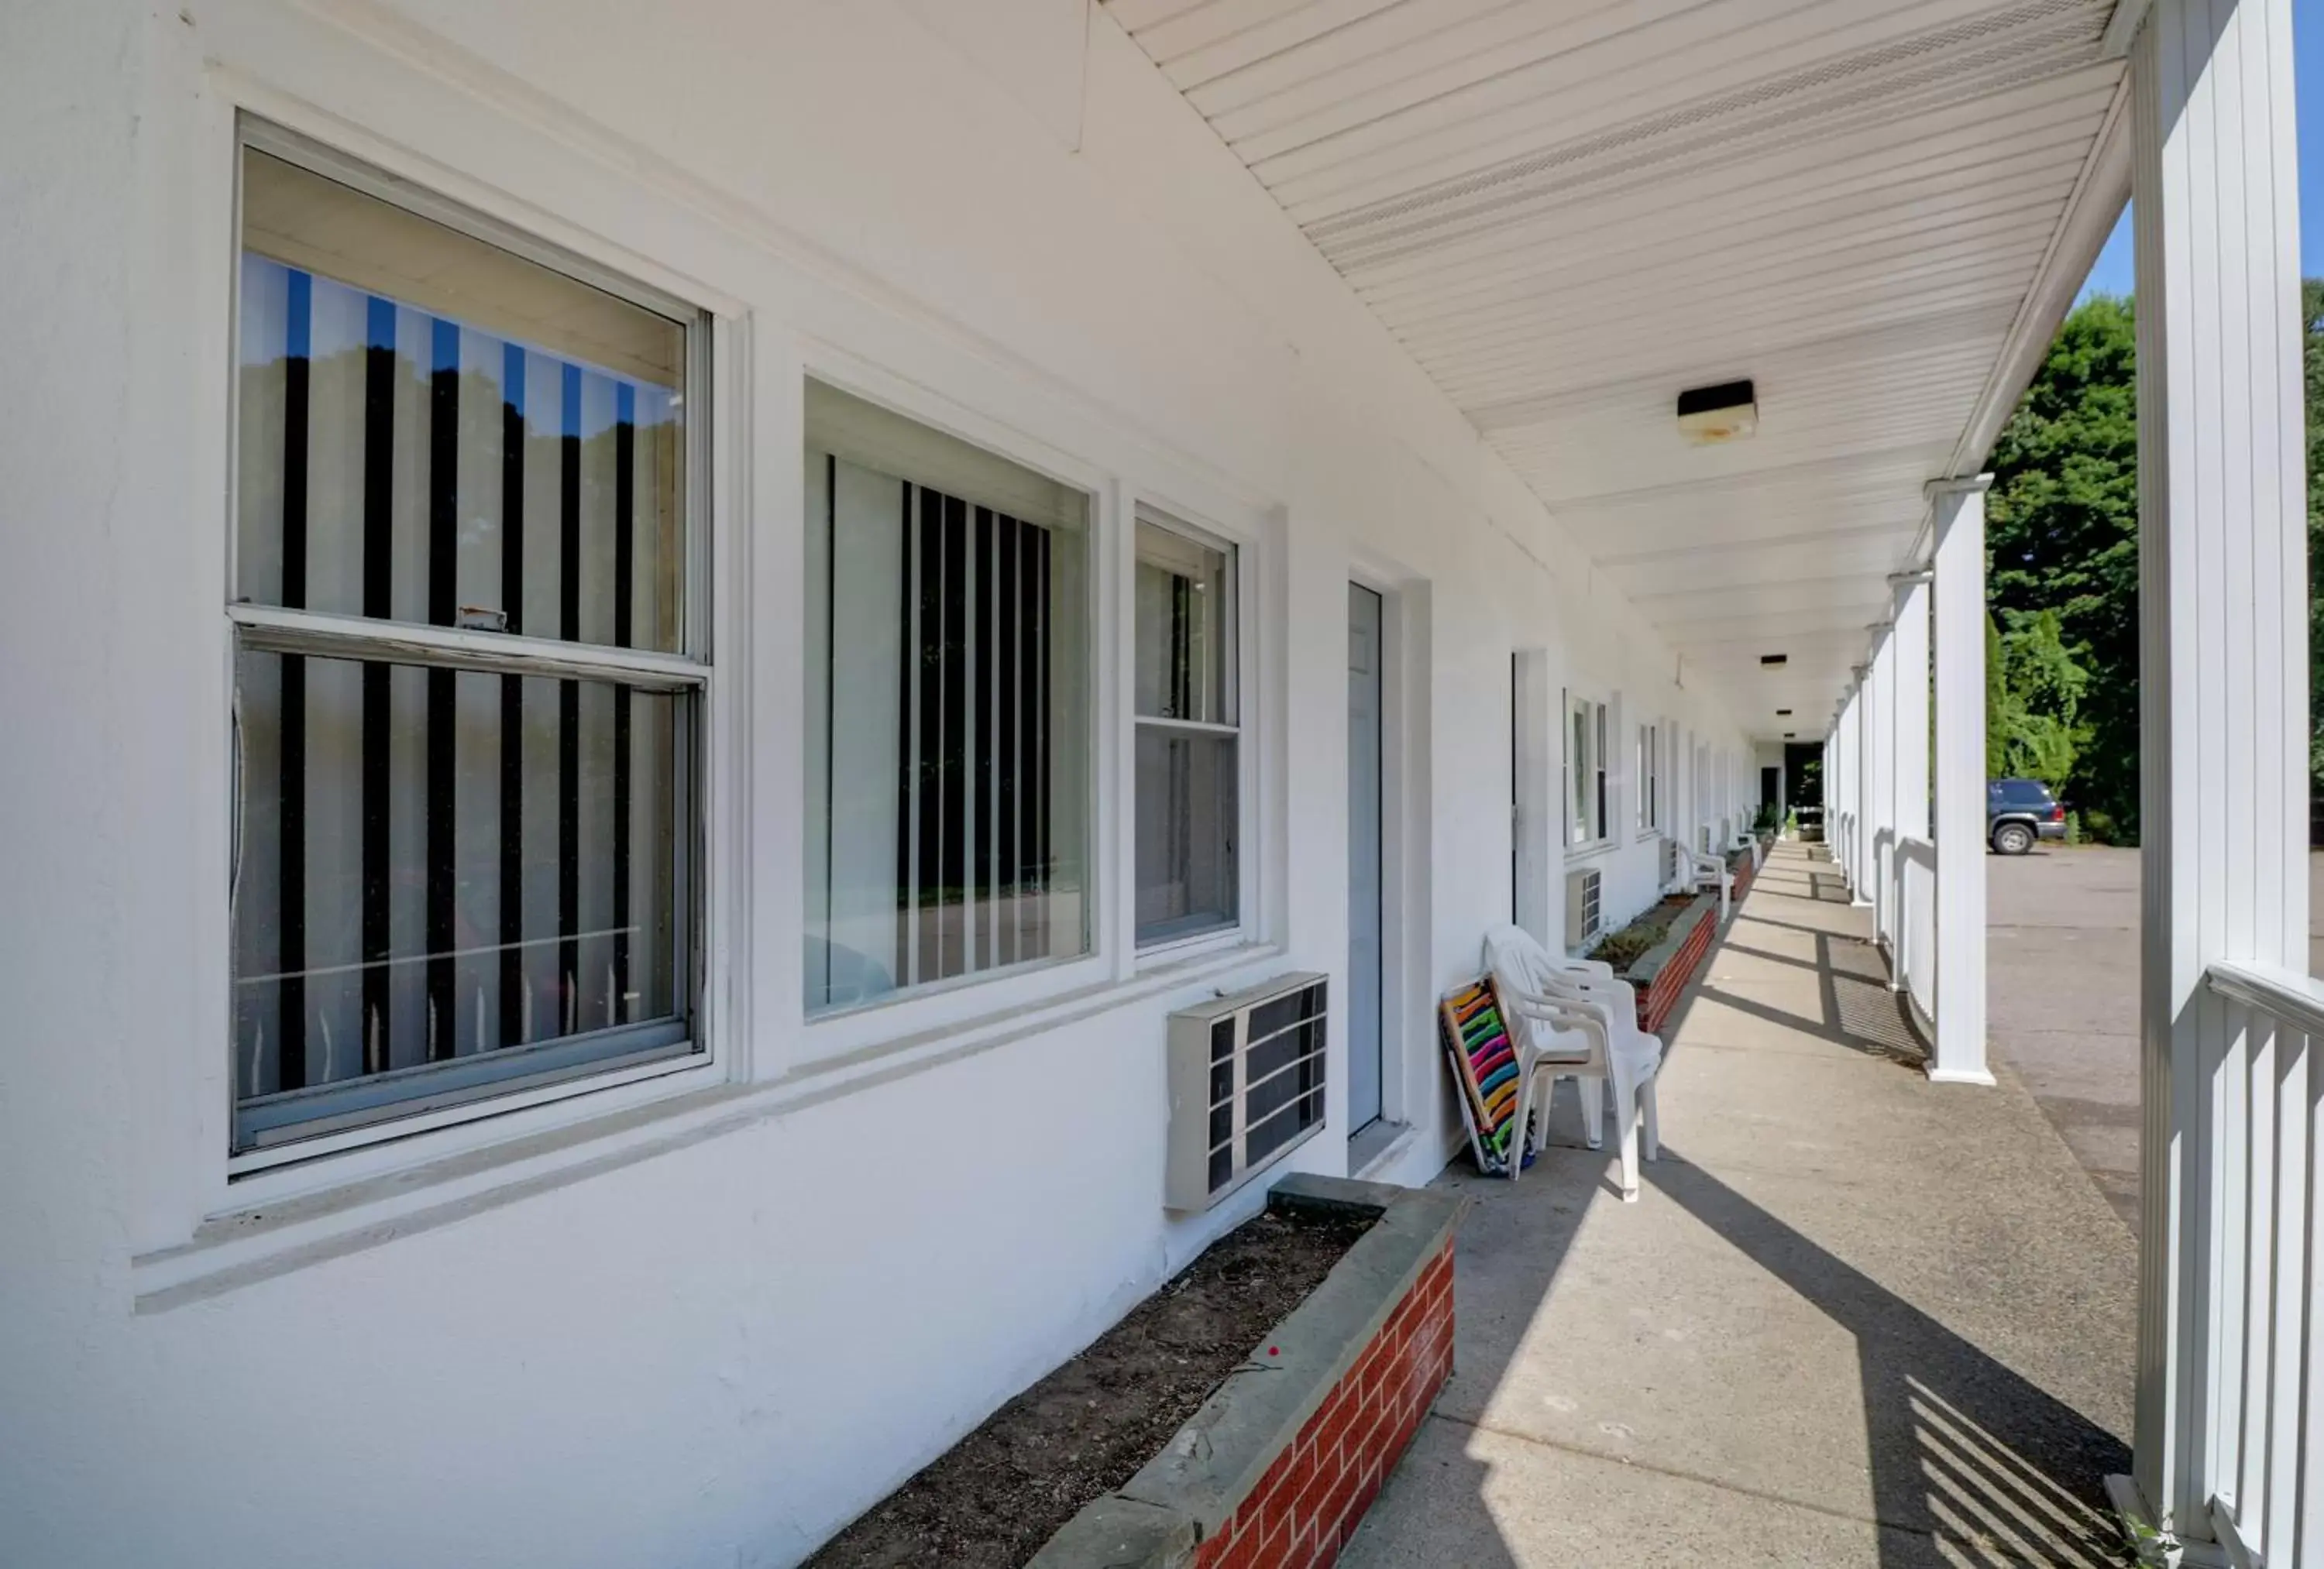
column 947, row 796
column 1585, row 771
column 468, row 663
column 1187, row 741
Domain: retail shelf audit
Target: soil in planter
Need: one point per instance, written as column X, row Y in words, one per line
column 999, row 1493
column 1625, row 947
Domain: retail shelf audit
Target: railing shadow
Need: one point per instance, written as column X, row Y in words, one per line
column 1969, row 1462
column 1960, row 1446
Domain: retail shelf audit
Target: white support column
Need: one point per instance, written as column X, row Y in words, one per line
column 1824, row 781
column 1867, row 730
column 1844, row 843
column 1836, row 818
column 1880, row 815
column 1959, row 591
column 1910, row 729
column 2229, row 1102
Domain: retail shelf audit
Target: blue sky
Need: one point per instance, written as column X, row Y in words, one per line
column 2112, row 274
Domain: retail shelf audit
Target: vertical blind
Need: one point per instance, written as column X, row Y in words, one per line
column 438, row 865
column 947, row 811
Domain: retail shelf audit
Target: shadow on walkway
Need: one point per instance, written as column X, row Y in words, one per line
column 1848, row 1323
column 1961, row 1446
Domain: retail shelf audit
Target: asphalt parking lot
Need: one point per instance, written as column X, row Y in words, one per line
column 2061, row 956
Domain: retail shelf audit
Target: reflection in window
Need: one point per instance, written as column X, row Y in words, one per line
column 1187, row 743
column 451, row 879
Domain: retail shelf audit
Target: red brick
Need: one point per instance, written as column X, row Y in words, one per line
column 1263, row 1496
column 1333, row 1506
column 1242, row 1553
column 1364, row 1447
column 1313, row 1486
column 1430, row 1345
column 1341, row 1414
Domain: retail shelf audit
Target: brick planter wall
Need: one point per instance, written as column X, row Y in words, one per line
column 1741, row 877
column 1277, row 1468
column 1305, row 1507
column 1658, row 994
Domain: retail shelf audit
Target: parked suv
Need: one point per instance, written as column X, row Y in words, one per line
column 2017, row 812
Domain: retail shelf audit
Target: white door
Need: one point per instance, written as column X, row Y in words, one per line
column 1364, row 857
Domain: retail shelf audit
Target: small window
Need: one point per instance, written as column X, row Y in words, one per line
column 947, row 796
column 1650, row 777
column 1603, row 821
column 1188, row 743
column 1585, row 771
column 468, row 674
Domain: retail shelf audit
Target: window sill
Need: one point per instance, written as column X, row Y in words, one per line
column 259, row 1239
column 1589, row 851
column 1190, row 949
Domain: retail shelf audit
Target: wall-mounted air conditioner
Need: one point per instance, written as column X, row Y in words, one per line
column 1245, row 1086
column 1581, row 908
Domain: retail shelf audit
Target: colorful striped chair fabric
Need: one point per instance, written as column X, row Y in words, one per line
column 1492, row 1085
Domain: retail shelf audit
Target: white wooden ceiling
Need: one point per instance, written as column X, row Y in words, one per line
column 1570, row 210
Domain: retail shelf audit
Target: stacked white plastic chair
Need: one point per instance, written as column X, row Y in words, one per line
column 1696, row 868
column 1542, row 995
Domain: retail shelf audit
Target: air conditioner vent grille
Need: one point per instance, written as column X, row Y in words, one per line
column 1247, row 1081
column 1582, row 907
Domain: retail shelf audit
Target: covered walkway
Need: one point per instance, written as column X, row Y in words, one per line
column 1856, row 1318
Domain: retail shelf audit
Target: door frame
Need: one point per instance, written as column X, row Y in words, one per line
column 1405, row 1007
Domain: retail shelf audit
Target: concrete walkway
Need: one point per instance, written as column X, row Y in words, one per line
column 2062, row 963
column 1854, row 1318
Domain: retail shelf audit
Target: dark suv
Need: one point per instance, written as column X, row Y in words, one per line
column 2017, row 812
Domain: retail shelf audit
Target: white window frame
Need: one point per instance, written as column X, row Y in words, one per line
column 1240, row 639
column 1254, row 535
column 967, row 1002
column 269, row 1175
column 1651, row 807
column 1592, row 770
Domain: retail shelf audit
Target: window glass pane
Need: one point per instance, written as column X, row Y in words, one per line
column 1577, row 756
column 447, row 879
column 1187, row 828
column 433, row 430
column 947, row 738
column 1185, row 615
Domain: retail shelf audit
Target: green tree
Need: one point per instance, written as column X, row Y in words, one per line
column 2312, row 312
column 2033, row 698
column 2062, row 534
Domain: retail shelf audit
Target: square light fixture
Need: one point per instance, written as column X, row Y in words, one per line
column 1708, row 416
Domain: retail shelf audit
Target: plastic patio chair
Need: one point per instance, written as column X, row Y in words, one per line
column 1544, row 998
column 1695, row 867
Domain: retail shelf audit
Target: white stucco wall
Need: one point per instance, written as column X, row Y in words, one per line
column 711, row 1330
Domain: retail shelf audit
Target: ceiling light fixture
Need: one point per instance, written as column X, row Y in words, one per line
column 1708, row 416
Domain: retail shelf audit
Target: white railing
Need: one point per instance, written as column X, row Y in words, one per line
column 1912, row 951
column 2257, row 1313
